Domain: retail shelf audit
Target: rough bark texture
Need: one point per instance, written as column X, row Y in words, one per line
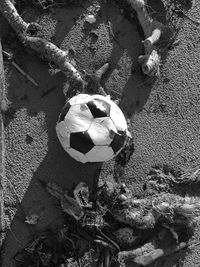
column 52, row 53
column 152, row 31
column 46, row 49
column 16, row 22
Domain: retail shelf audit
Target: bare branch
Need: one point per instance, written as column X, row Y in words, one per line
column 148, row 253
column 152, row 31
column 10, row 13
column 45, row 49
column 53, row 54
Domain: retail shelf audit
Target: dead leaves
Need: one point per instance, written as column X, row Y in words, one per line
column 161, row 244
column 68, row 204
column 81, row 194
column 139, row 231
column 166, row 207
column 166, row 179
column 126, row 237
column 71, row 207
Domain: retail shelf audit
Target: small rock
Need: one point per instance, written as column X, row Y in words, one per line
column 90, row 19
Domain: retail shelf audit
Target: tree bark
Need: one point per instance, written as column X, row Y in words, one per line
column 152, row 31
column 45, row 49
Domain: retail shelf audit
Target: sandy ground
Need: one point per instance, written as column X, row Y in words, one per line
column 164, row 117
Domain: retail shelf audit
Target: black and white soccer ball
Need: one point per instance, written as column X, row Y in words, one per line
column 92, row 128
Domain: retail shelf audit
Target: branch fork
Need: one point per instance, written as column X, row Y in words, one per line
column 153, row 30
column 49, row 51
column 44, row 48
column 150, row 61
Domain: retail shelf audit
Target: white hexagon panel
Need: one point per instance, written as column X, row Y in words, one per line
column 78, row 118
column 99, row 134
column 77, row 155
column 63, row 134
column 100, row 154
column 118, row 118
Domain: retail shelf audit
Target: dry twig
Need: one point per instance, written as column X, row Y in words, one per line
column 152, row 31
column 9, row 57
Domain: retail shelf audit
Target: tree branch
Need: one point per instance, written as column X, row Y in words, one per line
column 152, row 31
column 10, row 13
column 44, row 48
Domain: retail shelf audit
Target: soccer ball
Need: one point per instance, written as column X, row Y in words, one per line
column 91, row 128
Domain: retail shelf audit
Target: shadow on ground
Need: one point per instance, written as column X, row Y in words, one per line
column 33, row 151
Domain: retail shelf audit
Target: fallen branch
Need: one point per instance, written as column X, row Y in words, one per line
column 53, row 54
column 152, row 31
column 44, row 48
column 10, row 13
column 169, row 208
column 148, row 254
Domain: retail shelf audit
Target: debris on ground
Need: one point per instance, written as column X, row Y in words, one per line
column 125, row 155
column 90, row 19
column 49, row 4
column 123, row 158
column 81, row 194
column 148, row 254
column 153, row 31
column 68, row 204
column 166, row 179
column 32, row 219
column 115, row 225
column 9, row 57
column 169, row 208
column 124, row 228
column 126, row 237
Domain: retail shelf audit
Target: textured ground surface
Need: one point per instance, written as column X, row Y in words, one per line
column 164, row 118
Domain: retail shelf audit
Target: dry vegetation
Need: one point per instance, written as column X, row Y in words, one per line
column 115, row 227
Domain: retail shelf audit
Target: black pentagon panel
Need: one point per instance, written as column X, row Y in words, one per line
column 99, row 108
column 118, row 142
column 64, row 111
column 81, row 141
